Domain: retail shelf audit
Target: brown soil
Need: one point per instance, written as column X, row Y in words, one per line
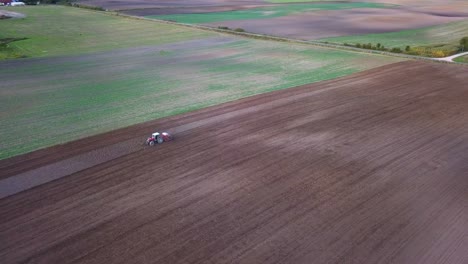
column 369, row 168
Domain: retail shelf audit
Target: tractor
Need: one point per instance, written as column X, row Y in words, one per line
column 158, row 138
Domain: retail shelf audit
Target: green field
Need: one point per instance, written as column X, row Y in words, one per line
column 59, row 30
column 116, row 82
column 443, row 36
column 262, row 13
column 463, row 59
column 78, row 96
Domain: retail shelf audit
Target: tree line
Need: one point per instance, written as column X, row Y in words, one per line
column 419, row 51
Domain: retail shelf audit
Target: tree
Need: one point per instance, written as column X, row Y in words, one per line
column 408, row 48
column 464, row 44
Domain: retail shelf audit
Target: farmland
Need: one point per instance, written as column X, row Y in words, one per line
column 52, row 31
column 368, row 168
column 284, row 151
column 262, row 12
column 86, row 94
column 309, row 21
column 443, row 36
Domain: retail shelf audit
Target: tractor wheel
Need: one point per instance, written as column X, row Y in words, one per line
column 151, row 143
column 160, row 140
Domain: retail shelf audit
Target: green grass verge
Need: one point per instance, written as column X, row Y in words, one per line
column 60, row 30
column 263, row 12
column 444, row 36
column 463, row 59
column 9, row 52
column 54, row 100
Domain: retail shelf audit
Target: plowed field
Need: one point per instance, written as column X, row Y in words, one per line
column 369, row 168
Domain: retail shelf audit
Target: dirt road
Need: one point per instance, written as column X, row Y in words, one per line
column 451, row 58
column 371, row 168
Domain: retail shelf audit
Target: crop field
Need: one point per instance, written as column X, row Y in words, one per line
column 306, row 20
column 282, row 152
column 53, row 31
column 446, row 7
column 141, row 71
column 77, row 96
column 369, row 168
column 120, row 5
column 446, row 35
column 262, row 12
column 309, row 21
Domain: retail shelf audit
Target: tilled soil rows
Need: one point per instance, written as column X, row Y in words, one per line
column 369, row 168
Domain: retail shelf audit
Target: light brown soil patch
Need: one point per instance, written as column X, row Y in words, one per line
column 9, row 14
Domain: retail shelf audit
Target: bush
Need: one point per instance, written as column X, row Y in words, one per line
column 396, row 50
column 431, row 52
column 239, row 30
column 358, row 45
column 225, row 28
column 408, row 48
column 464, row 44
column 438, row 53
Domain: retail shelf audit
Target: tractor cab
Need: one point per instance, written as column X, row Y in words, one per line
column 158, row 138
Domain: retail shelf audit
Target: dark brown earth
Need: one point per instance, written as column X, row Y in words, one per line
column 370, row 168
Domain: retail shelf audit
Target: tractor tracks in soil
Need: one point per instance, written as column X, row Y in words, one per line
column 366, row 168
